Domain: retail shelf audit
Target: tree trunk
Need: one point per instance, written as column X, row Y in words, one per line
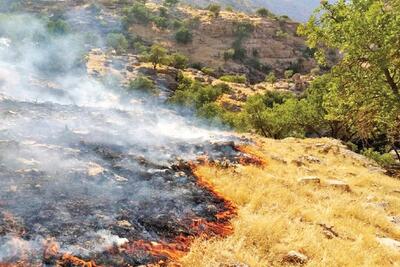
column 392, row 83
column 397, row 153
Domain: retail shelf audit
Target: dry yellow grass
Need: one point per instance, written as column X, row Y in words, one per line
column 277, row 214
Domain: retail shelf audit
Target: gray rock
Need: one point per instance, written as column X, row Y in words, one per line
column 295, row 257
column 338, row 184
column 309, row 180
column 389, row 242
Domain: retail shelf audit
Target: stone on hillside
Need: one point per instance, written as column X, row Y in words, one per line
column 234, row 265
column 282, row 85
column 306, row 159
column 395, row 220
column 295, row 257
column 338, row 184
column 124, row 224
column 328, row 230
column 309, row 180
column 390, row 243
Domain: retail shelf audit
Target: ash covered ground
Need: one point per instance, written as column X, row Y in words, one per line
column 90, row 171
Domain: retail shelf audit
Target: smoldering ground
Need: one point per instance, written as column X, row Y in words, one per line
column 83, row 166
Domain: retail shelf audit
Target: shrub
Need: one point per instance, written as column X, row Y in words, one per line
column 117, row 41
column 156, row 56
column 263, row 12
column 229, row 54
column 193, row 22
column 210, row 111
column 208, row 71
column 143, row 84
column 179, row 61
column 234, row 78
column 170, row 3
column 281, row 34
column 160, row 22
column 197, row 65
column 382, row 159
column 138, row 13
column 315, row 71
column 271, row 78
column 139, row 47
column 176, row 24
column 95, row 8
column 193, row 94
column 288, row 74
column 215, row 9
column 244, row 29
column 58, row 27
column 163, row 12
column 272, row 98
column 183, row 36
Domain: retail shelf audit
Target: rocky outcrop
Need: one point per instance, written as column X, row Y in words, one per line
column 272, row 43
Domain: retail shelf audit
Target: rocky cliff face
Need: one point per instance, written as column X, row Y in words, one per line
column 272, row 43
column 297, row 10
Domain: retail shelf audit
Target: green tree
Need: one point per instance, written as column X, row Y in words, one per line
column 170, row 3
column 364, row 87
column 288, row 74
column 58, row 27
column 183, row 36
column 144, row 84
column 138, row 13
column 179, row 61
column 117, row 41
column 365, row 32
column 215, row 9
column 271, row 78
column 157, row 55
column 263, row 12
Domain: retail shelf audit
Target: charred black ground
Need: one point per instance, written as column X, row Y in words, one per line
column 90, row 196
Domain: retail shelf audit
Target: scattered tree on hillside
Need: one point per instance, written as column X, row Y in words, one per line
column 156, row 56
column 263, row 12
column 178, row 61
column 183, row 36
column 58, row 27
column 117, row 41
column 138, row 13
column 170, row 3
column 144, row 84
column 215, row 9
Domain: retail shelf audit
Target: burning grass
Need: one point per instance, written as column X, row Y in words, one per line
column 102, row 203
column 277, row 214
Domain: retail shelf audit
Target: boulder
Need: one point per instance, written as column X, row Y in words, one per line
column 309, row 180
column 338, row 184
column 234, row 265
column 295, row 257
column 389, row 242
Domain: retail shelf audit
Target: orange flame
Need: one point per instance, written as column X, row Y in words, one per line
column 254, row 157
column 75, row 261
column 169, row 252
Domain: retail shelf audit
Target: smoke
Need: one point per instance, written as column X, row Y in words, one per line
column 88, row 165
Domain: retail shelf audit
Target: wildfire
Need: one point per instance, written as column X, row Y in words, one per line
column 254, row 157
column 167, row 252
column 162, row 250
column 68, row 259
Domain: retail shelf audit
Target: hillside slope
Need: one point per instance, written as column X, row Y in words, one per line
column 313, row 203
column 297, row 10
column 271, row 44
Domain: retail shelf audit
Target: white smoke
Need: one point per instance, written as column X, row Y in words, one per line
column 52, row 115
